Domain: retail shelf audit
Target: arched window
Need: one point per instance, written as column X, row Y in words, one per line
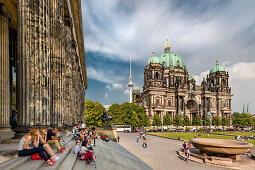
column 178, row 63
column 157, row 75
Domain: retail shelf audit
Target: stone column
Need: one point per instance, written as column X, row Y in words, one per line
column 57, row 62
column 33, row 63
column 4, row 74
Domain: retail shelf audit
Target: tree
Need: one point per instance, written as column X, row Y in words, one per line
column 116, row 111
column 177, row 121
column 93, row 113
column 246, row 119
column 167, row 119
column 235, row 118
column 186, row 121
column 156, row 120
column 134, row 120
column 224, row 122
column 253, row 121
column 207, row 121
column 196, row 121
column 216, row 121
column 146, row 121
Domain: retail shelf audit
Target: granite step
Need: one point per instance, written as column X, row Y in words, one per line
column 69, row 161
column 26, row 162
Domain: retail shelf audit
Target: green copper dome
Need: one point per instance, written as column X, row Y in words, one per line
column 136, row 88
column 169, row 59
column 217, row 68
column 153, row 60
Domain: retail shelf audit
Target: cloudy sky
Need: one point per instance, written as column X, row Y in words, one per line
column 201, row 31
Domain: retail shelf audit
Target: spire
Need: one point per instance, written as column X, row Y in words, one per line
column 167, row 45
column 217, row 61
column 167, row 48
column 244, row 111
column 130, row 84
column 153, row 51
column 130, row 67
column 248, row 108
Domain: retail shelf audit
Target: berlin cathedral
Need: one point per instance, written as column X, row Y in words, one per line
column 169, row 88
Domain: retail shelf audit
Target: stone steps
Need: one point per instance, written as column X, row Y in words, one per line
column 26, row 163
column 108, row 156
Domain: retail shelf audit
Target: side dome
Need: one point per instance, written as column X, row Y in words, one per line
column 153, row 60
column 169, row 59
column 217, row 68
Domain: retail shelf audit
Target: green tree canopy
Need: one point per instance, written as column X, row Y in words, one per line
column 235, row 118
column 216, row 121
column 224, row 122
column 134, row 121
column 93, row 112
column 116, row 111
column 207, row 121
column 167, row 119
column 177, row 121
column 186, row 121
column 156, row 120
column 196, row 121
column 145, row 121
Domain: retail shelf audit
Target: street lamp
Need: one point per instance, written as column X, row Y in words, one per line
column 209, row 115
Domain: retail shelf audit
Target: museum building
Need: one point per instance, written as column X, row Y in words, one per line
column 169, row 88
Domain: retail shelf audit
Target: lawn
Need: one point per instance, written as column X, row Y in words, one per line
column 189, row 135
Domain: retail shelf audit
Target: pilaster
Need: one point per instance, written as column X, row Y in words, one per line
column 4, row 74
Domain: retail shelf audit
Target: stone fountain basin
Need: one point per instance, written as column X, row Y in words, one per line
column 222, row 146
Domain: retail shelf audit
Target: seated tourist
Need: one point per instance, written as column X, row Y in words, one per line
column 46, row 146
column 77, row 147
column 85, row 143
column 29, row 145
column 53, row 139
column 60, row 135
column 87, row 155
column 105, row 138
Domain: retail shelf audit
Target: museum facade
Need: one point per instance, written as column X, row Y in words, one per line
column 169, row 88
column 42, row 45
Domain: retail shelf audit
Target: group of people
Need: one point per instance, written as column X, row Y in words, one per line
column 85, row 139
column 241, row 138
column 186, row 149
column 143, row 137
column 38, row 141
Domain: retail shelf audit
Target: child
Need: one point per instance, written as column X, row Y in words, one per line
column 59, row 135
column 77, row 147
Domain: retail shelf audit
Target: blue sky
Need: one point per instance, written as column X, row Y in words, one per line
column 200, row 31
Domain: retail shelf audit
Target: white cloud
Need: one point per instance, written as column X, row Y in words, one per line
column 106, row 95
column 105, row 76
column 126, row 92
column 114, row 86
column 200, row 32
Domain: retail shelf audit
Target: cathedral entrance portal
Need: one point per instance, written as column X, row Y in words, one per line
column 192, row 109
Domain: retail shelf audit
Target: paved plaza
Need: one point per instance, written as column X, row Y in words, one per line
column 160, row 154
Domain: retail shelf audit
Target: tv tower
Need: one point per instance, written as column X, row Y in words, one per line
column 130, row 84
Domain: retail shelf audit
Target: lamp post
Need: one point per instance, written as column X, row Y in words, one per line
column 209, row 115
column 162, row 121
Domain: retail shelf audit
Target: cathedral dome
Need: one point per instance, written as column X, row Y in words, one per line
column 170, row 59
column 217, row 68
column 153, row 59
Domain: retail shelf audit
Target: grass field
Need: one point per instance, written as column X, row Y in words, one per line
column 189, row 135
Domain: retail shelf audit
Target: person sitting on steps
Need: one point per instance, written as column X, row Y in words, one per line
column 46, row 146
column 53, row 139
column 87, row 155
column 29, row 145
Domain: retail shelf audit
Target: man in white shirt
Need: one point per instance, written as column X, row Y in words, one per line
column 83, row 125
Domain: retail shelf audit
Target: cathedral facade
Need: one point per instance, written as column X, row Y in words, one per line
column 169, row 88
